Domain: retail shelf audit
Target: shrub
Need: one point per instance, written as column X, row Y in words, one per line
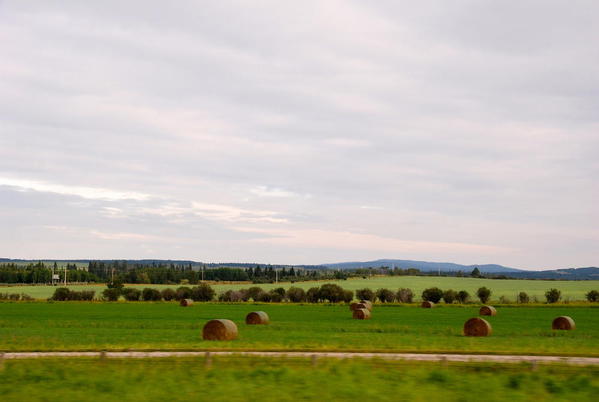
column 296, row 295
column 504, row 300
column 331, row 292
column 151, row 294
column 553, row 295
column 87, row 295
column 432, row 294
column 462, row 296
column 275, row 296
column 61, row 294
column 385, row 295
column 131, row 294
column 484, row 294
column 279, row 291
column 14, row 296
column 593, row 296
column 405, row 295
column 449, row 296
column 202, row 292
column 27, row 297
column 116, row 284
column 183, row 292
column 254, row 292
column 263, row 297
column 111, row 294
column 313, row 295
column 365, row 294
column 243, row 295
column 523, row 298
column 348, row 296
column 168, row 294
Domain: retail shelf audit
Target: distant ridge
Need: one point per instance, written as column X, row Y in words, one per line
column 424, row 266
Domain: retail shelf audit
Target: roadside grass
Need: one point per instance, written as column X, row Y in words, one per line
column 42, row 326
column 262, row 379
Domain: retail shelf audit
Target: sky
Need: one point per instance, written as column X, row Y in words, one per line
column 301, row 132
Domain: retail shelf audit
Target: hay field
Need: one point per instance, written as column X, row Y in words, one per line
column 571, row 290
column 258, row 379
column 41, row 326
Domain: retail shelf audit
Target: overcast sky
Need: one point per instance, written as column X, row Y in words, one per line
column 301, row 132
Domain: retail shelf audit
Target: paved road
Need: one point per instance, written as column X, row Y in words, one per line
column 315, row 355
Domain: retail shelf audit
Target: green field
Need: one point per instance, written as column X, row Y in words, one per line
column 42, row 326
column 258, row 379
column 571, row 290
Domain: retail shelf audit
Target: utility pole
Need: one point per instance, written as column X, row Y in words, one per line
column 65, row 275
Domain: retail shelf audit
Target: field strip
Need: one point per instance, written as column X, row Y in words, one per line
column 437, row 357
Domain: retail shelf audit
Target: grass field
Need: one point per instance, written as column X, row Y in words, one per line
column 256, row 379
column 41, row 326
column 571, row 290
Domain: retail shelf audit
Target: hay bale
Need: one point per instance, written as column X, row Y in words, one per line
column 257, row 318
column 477, row 327
column 427, row 304
column 564, row 322
column 487, row 310
column 219, row 330
column 367, row 303
column 353, row 306
column 361, row 314
column 186, row 302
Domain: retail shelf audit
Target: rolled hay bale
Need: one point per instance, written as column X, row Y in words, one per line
column 427, row 304
column 353, row 306
column 186, row 302
column 219, row 330
column 361, row 314
column 477, row 327
column 564, row 322
column 487, row 310
column 257, row 318
column 367, row 303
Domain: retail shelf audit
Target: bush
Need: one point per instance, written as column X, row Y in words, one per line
column 263, row 297
column 385, row 295
column 348, row 296
column 432, row 294
column 523, row 298
column 504, row 300
column 279, row 291
column 296, row 295
column 151, row 294
column 183, row 292
column 27, row 297
column 111, row 294
column 484, row 294
column 331, row 292
column 365, row 294
column 449, row 296
column 202, row 292
column 405, row 295
column 168, row 294
column 313, row 295
column 116, row 284
column 593, row 296
column 275, row 296
column 87, row 295
column 254, row 292
column 462, row 296
column 131, row 294
column 61, row 294
column 553, row 295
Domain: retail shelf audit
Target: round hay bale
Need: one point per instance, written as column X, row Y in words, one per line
column 186, row 302
column 361, row 314
column 257, row 318
column 427, row 304
column 564, row 322
column 487, row 310
column 219, row 330
column 367, row 303
column 477, row 327
column 353, row 306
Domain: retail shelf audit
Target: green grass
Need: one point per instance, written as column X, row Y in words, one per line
column 41, row 326
column 571, row 290
column 259, row 379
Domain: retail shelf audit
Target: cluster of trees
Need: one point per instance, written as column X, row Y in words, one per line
column 41, row 273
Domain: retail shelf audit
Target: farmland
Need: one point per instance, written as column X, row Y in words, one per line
column 571, row 290
column 259, row 379
column 41, row 326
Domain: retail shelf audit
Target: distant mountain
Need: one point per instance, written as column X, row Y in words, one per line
column 560, row 274
column 423, row 266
